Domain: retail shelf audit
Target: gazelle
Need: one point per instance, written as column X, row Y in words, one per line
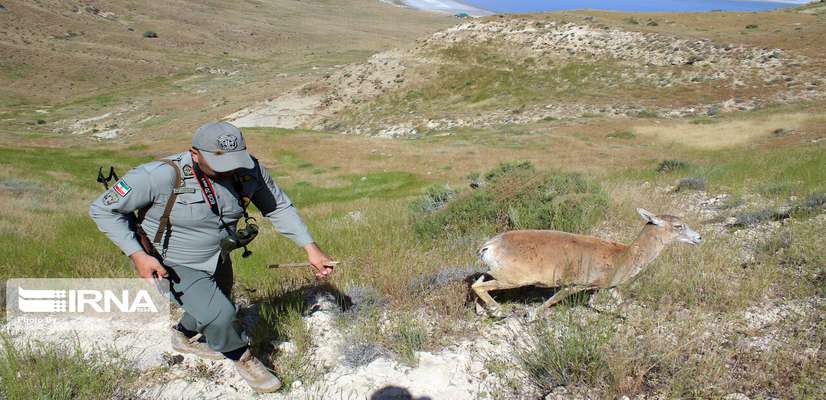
column 572, row 262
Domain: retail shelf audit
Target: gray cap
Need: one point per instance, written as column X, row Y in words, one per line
column 222, row 146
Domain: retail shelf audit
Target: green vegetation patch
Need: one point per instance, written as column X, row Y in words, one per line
column 374, row 185
column 781, row 172
column 78, row 167
column 14, row 71
column 484, row 77
column 565, row 352
column 512, row 196
column 47, row 371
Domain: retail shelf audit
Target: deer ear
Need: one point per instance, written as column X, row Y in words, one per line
column 649, row 216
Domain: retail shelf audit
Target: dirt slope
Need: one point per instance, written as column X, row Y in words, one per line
column 87, row 58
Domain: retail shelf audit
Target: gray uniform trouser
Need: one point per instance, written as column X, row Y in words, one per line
column 207, row 302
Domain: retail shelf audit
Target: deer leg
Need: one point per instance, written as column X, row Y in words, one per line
column 615, row 295
column 481, row 288
column 560, row 295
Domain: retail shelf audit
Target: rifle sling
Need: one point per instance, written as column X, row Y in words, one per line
column 163, row 224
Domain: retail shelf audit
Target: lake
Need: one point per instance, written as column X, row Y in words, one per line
column 525, row 6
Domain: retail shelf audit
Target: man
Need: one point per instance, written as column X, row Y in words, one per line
column 188, row 207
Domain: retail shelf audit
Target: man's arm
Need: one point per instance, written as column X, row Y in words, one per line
column 112, row 212
column 275, row 205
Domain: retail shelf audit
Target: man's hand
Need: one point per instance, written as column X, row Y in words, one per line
column 319, row 260
column 146, row 265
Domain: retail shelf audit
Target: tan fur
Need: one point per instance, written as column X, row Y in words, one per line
column 573, row 262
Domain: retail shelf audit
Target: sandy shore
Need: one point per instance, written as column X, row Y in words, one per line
column 443, row 6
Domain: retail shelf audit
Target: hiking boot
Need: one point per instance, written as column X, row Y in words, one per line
column 256, row 374
column 183, row 344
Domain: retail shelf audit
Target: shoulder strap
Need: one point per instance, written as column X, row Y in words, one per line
column 163, row 224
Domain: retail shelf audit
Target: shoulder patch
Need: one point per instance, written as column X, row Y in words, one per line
column 187, row 171
column 121, row 188
column 110, row 198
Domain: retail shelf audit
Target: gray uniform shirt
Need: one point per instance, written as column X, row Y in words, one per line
column 196, row 231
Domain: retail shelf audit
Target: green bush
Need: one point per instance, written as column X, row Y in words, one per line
column 667, row 166
column 435, row 198
column 565, row 352
column 516, row 196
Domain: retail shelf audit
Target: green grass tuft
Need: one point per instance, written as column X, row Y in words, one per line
column 48, row 371
column 517, row 196
column 565, row 351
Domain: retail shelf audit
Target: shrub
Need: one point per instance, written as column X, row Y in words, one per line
column 749, row 218
column 690, row 184
column 434, row 199
column 408, row 338
column 150, row 34
column 666, row 166
column 565, row 352
column 362, row 353
column 427, row 282
column 517, row 196
column 363, row 298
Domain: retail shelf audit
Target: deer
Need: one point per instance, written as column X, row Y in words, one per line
column 570, row 262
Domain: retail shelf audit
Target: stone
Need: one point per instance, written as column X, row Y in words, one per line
column 286, row 347
column 735, row 396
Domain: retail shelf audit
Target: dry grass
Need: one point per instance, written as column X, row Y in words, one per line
column 725, row 134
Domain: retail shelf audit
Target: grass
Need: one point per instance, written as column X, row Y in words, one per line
column 725, row 134
column 479, row 77
column 621, row 135
column 408, row 338
column 378, row 185
column 360, row 213
column 40, row 371
column 565, row 351
column 794, row 170
column 279, row 312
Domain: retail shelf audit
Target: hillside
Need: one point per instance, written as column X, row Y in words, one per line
column 71, row 68
column 504, row 70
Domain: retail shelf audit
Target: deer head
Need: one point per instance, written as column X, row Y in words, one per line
column 671, row 228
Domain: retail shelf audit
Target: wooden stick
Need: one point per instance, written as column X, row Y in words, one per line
column 303, row 264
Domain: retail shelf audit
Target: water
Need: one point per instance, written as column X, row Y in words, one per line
column 525, row 6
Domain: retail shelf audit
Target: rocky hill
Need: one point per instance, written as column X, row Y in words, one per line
column 503, row 70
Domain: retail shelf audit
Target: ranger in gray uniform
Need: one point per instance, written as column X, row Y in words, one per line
column 188, row 206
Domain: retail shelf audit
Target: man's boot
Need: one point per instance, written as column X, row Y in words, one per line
column 183, row 344
column 256, row 374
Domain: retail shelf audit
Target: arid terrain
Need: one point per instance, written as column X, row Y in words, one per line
column 406, row 139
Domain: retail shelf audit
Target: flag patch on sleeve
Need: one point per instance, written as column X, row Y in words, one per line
column 122, row 188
